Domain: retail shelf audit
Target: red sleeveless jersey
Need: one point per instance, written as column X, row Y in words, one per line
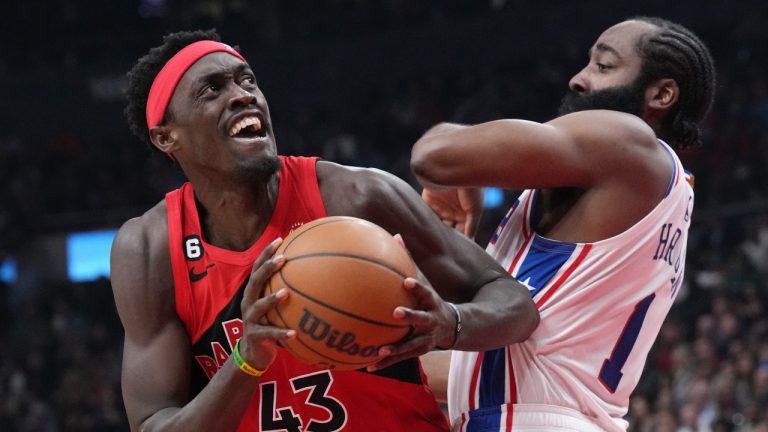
column 292, row 396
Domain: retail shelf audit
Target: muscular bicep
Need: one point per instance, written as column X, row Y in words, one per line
column 454, row 265
column 578, row 150
column 155, row 373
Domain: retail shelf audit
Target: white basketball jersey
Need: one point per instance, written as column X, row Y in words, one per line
column 601, row 306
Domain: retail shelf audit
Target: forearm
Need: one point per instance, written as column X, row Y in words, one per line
column 220, row 406
column 501, row 313
column 428, row 162
column 441, row 128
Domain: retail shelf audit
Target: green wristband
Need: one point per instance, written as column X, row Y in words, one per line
column 245, row 367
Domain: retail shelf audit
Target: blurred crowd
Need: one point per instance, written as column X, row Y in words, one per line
column 80, row 168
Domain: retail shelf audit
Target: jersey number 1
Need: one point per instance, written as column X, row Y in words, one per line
column 610, row 374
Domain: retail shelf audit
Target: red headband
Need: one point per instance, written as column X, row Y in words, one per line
column 166, row 81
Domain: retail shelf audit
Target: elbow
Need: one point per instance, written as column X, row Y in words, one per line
column 426, row 164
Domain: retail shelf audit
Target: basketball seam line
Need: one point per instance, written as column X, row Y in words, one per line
column 310, row 229
column 348, row 255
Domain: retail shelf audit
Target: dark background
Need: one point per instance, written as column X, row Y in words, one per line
column 357, row 82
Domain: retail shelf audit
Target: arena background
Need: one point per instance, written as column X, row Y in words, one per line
column 356, row 82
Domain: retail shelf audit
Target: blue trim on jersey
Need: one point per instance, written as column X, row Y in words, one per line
column 504, row 222
column 493, row 381
column 484, row 419
column 674, row 168
column 493, row 378
column 542, row 262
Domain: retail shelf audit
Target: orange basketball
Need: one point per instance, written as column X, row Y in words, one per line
column 345, row 277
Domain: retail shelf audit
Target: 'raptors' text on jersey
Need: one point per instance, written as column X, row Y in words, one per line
column 601, row 305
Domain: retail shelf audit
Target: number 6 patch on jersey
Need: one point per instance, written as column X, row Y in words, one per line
column 193, row 247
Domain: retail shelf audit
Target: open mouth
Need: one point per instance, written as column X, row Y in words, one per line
column 249, row 127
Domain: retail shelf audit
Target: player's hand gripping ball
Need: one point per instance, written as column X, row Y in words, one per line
column 345, row 277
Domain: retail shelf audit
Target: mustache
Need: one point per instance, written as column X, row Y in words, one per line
column 628, row 99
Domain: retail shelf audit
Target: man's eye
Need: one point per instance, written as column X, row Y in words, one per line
column 210, row 88
column 248, row 80
column 602, row 67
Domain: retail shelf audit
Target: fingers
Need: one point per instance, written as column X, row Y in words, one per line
column 412, row 348
column 470, row 226
column 399, row 239
column 257, row 327
column 426, row 322
column 424, row 295
column 254, row 312
column 471, row 201
column 263, row 268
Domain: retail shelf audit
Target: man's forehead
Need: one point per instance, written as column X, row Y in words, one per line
column 622, row 38
column 212, row 64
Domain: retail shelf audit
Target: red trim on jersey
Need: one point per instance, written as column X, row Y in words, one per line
column 519, row 254
column 178, row 265
column 464, row 420
column 526, row 218
column 512, row 380
column 473, row 383
column 512, row 390
column 584, row 251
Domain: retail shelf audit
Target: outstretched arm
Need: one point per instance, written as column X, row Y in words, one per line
column 582, row 150
column 600, row 157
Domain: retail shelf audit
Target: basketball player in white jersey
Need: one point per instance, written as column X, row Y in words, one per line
column 598, row 235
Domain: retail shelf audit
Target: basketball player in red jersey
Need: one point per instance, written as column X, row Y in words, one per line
column 187, row 274
column 598, row 234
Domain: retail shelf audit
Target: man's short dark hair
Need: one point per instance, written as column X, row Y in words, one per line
column 143, row 73
column 676, row 52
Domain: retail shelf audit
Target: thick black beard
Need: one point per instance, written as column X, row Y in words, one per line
column 629, row 99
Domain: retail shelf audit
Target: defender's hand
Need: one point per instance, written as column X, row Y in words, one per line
column 458, row 208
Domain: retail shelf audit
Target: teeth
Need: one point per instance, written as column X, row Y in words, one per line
column 244, row 123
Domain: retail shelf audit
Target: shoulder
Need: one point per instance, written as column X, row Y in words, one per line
column 618, row 146
column 348, row 190
column 143, row 233
column 142, row 279
column 596, row 127
column 350, row 176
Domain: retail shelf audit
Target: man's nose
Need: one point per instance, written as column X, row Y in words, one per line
column 241, row 97
column 579, row 83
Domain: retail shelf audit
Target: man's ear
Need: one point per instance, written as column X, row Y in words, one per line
column 164, row 138
column 662, row 94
